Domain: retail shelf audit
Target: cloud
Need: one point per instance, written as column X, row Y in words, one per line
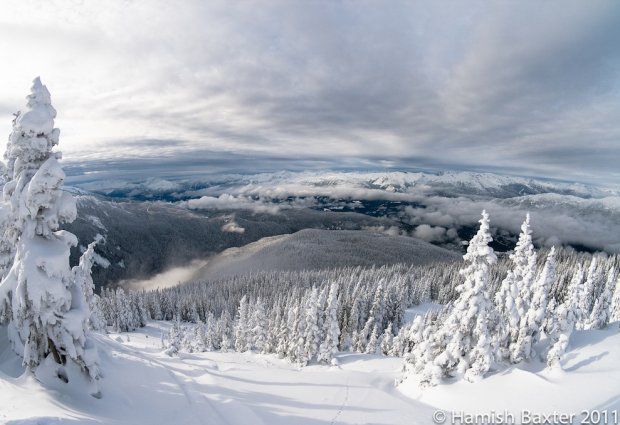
column 229, row 202
column 166, row 279
column 430, row 233
column 556, row 219
column 528, row 87
column 233, row 227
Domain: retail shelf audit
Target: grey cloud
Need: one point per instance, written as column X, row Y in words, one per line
column 525, row 87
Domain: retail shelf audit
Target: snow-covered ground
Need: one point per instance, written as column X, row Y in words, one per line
column 144, row 386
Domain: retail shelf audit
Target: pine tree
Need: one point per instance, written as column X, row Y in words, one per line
column 601, row 312
column 311, row 335
column 517, row 292
column 387, row 340
column 464, row 344
column 175, row 338
column 48, row 311
column 576, row 293
column 566, row 318
column 372, row 347
column 331, row 330
column 259, row 330
column 615, row 302
column 82, row 276
column 593, row 280
column 531, row 324
column 241, row 328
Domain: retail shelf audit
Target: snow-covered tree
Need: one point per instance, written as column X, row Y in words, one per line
column 242, row 340
column 259, row 329
column 311, row 334
column 387, row 340
column 531, row 323
column 175, row 338
column 601, row 312
column 575, row 292
column 514, row 297
column 463, row 345
column 83, row 277
column 615, row 302
column 593, row 280
column 565, row 320
column 372, row 347
column 49, row 313
column 331, row 330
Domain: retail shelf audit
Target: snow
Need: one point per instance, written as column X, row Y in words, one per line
column 421, row 310
column 315, row 249
column 144, row 385
column 589, row 380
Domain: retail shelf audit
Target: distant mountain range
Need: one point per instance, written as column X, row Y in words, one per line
column 157, row 223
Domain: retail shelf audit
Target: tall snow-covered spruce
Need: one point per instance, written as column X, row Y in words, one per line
column 462, row 346
column 45, row 305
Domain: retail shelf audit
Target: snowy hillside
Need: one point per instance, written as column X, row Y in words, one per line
column 315, row 249
column 145, row 238
column 143, row 385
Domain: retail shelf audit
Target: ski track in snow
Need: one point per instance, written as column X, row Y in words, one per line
column 344, row 404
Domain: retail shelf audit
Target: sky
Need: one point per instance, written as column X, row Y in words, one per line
column 528, row 87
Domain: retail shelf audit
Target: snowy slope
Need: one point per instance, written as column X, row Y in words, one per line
column 322, row 249
column 146, row 238
column 589, row 380
column 142, row 385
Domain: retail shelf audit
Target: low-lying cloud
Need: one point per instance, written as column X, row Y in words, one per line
column 230, row 202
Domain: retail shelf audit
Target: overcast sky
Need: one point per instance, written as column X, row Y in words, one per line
column 521, row 87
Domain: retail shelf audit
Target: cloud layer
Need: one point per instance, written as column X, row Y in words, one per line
column 528, row 87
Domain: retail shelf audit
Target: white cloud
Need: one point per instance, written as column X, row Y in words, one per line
column 233, row 227
column 229, row 202
column 430, row 233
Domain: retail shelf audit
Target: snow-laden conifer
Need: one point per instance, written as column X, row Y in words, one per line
column 530, row 327
column 331, row 329
column 311, row 334
column 387, row 340
column 83, row 277
column 259, row 330
column 463, row 346
column 49, row 313
column 601, row 311
column 241, row 327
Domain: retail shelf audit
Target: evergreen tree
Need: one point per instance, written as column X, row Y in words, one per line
column 373, row 342
column 387, row 340
column 82, row 276
column 241, row 328
column 259, row 331
column 464, row 344
column 311, row 335
column 46, row 308
column 331, row 330
column 601, row 312
column 593, row 280
column 529, row 332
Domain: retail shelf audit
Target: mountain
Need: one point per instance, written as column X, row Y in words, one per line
column 141, row 239
column 313, row 249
